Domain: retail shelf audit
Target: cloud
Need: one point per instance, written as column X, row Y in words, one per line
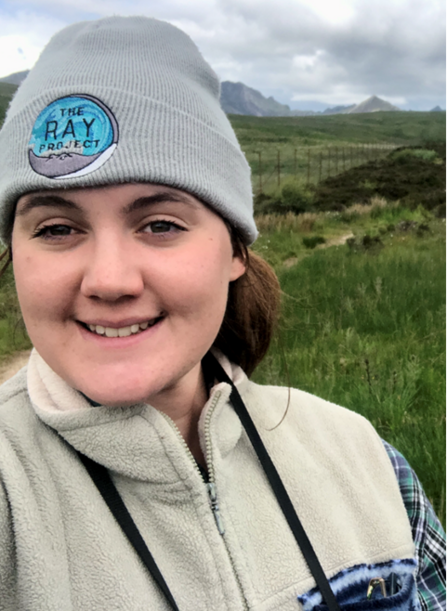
column 339, row 52
column 23, row 35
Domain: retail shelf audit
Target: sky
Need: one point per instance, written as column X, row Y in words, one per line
column 309, row 54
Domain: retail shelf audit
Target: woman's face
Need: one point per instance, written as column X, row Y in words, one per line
column 123, row 289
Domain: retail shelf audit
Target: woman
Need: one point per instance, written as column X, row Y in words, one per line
column 132, row 474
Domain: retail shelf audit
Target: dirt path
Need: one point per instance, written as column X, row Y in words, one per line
column 338, row 241
column 12, row 365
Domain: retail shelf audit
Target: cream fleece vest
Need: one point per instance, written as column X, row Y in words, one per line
column 61, row 549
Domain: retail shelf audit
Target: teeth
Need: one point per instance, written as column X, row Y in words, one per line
column 123, row 331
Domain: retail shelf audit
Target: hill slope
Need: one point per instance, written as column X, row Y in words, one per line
column 271, row 133
column 15, row 78
column 6, row 92
column 238, row 99
column 372, row 104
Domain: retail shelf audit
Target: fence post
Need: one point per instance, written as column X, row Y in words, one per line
column 295, row 167
column 328, row 160
column 336, row 159
column 344, row 159
column 260, row 171
column 320, row 167
column 279, row 168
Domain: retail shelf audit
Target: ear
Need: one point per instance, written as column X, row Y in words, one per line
column 238, row 268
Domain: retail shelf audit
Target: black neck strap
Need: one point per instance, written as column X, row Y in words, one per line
column 280, row 492
column 109, row 493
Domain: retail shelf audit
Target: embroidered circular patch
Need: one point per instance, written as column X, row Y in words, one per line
column 72, row 136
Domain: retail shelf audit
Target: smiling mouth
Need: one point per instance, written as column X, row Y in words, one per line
column 121, row 331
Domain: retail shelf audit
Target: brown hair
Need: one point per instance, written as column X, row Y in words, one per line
column 6, row 254
column 252, row 310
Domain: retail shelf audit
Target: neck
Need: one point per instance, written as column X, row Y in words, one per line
column 183, row 404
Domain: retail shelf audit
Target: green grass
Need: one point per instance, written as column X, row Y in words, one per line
column 13, row 336
column 399, row 128
column 313, row 148
column 366, row 329
column 6, row 92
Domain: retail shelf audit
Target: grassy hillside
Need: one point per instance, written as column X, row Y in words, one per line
column 6, row 93
column 363, row 323
column 378, row 127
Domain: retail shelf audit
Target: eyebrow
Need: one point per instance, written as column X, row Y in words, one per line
column 48, row 201
column 157, row 198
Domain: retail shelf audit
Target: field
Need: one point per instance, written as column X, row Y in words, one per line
column 311, row 149
column 362, row 270
column 363, row 323
column 397, row 128
column 6, row 93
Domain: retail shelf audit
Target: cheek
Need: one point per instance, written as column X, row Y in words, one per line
column 198, row 284
column 29, row 283
column 42, row 289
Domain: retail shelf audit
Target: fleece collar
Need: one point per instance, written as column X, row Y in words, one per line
column 137, row 441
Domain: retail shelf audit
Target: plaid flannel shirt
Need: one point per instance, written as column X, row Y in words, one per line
column 428, row 535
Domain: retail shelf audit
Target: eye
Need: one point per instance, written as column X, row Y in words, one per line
column 54, row 231
column 161, row 226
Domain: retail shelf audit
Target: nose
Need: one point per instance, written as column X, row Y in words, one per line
column 112, row 271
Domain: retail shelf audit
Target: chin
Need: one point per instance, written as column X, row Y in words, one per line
column 118, row 399
column 120, row 395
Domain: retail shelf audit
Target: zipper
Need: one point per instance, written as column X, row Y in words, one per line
column 183, row 442
column 212, row 491
column 211, row 484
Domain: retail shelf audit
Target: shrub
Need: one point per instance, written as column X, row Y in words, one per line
column 439, row 211
column 291, row 197
column 404, row 155
column 366, row 243
column 313, row 241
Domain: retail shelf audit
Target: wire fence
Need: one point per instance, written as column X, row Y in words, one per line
column 309, row 165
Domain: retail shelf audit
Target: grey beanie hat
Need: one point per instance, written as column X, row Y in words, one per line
column 123, row 99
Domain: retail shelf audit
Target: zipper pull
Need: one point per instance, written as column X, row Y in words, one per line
column 215, row 507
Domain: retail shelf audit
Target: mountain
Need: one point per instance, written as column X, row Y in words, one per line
column 339, row 110
column 15, row 78
column 373, row 104
column 238, row 99
column 437, row 109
